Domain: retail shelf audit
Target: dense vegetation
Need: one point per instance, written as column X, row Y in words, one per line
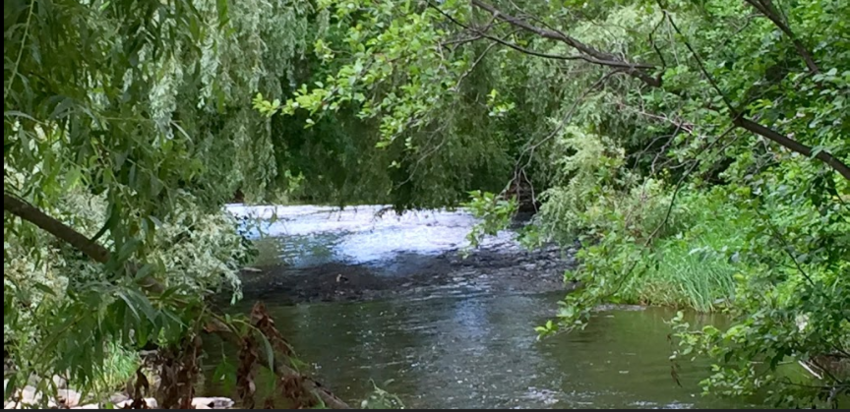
column 697, row 149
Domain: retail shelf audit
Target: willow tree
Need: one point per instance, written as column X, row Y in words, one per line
column 127, row 125
column 615, row 108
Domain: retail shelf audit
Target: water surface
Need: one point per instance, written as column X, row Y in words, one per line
column 464, row 350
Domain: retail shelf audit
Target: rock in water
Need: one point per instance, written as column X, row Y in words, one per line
column 212, row 403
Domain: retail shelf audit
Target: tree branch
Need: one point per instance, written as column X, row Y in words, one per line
column 30, row 213
column 98, row 253
column 545, row 33
column 793, row 145
column 768, row 11
column 739, row 120
column 482, row 33
column 593, row 55
column 634, row 70
column 611, row 63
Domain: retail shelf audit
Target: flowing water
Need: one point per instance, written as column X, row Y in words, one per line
column 468, row 349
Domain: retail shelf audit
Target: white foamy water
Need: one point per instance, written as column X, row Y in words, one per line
column 361, row 236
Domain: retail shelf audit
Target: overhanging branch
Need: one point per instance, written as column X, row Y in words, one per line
column 769, row 11
column 56, row 228
column 98, row 253
column 590, row 54
column 793, row 145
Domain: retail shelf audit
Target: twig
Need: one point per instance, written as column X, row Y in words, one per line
column 766, row 8
column 652, row 41
column 21, row 52
column 702, row 68
column 785, row 246
column 679, row 186
column 472, row 68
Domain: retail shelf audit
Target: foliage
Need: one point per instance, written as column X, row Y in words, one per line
column 127, row 125
column 119, row 368
column 53, row 293
column 695, row 267
column 633, row 116
column 646, row 125
column 493, row 213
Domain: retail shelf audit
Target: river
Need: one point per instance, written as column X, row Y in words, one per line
column 466, row 341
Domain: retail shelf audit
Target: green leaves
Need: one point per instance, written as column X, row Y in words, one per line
column 493, row 211
column 265, row 107
column 225, row 375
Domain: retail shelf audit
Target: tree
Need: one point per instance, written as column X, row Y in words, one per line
column 651, row 103
column 127, row 125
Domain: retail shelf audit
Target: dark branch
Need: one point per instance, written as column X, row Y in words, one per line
column 56, row 228
column 739, row 120
column 591, row 54
column 530, row 52
column 481, row 33
column 98, row 253
column 635, row 71
column 793, row 145
column 545, row 33
column 768, row 11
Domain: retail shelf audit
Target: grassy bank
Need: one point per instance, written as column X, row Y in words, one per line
column 694, row 266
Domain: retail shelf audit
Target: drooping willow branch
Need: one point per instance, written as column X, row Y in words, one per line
column 61, row 231
column 29, row 213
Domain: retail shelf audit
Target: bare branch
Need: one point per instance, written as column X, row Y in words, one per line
column 521, row 49
column 482, row 33
column 545, row 33
column 655, row 46
column 472, row 68
column 592, row 54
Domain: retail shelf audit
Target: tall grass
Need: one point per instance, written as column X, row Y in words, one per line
column 695, row 267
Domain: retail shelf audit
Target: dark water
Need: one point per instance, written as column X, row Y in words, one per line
column 481, row 352
column 468, row 351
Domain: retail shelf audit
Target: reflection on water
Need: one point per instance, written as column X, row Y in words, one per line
column 461, row 350
column 481, row 352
